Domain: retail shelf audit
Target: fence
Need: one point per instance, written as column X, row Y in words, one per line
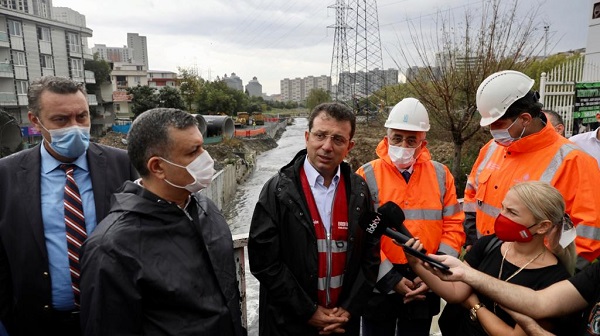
column 557, row 88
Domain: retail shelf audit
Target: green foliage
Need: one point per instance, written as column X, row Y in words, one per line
column 316, row 97
column 535, row 69
column 190, row 85
column 101, row 70
column 170, row 97
column 143, row 99
column 216, row 97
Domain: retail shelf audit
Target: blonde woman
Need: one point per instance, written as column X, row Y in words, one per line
column 530, row 211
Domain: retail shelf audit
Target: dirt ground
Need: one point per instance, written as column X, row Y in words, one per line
column 367, row 136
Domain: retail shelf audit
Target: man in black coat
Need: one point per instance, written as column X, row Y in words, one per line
column 161, row 263
column 36, row 294
column 315, row 265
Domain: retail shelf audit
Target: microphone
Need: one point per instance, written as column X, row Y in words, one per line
column 388, row 215
column 380, row 223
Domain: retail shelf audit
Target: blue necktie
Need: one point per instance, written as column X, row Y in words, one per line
column 406, row 175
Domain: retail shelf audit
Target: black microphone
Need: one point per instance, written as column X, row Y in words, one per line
column 388, row 216
column 380, row 222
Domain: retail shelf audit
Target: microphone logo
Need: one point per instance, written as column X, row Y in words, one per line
column 373, row 225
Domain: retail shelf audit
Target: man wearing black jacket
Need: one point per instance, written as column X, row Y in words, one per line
column 161, row 262
column 315, row 265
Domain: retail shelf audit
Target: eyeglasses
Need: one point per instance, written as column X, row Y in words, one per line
column 410, row 142
column 338, row 140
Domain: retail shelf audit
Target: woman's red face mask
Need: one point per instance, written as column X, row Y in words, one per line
column 510, row 231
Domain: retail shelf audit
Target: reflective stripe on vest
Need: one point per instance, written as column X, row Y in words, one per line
column 440, row 175
column 372, row 183
column 337, row 246
column 556, row 161
column 334, row 282
column 547, row 176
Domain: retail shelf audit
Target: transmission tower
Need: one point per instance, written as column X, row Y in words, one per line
column 363, row 47
column 340, row 61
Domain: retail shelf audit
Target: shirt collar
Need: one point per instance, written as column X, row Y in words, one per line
column 49, row 163
column 313, row 176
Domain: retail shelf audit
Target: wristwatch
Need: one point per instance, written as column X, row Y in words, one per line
column 473, row 311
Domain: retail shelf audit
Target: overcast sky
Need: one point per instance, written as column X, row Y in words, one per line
column 276, row 39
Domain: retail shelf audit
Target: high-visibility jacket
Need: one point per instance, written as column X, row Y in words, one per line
column 428, row 200
column 544, row 156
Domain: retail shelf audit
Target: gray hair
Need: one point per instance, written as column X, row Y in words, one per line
column 60, row 85
column 149, row 135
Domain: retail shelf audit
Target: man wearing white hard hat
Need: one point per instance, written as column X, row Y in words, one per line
column 526, row 147
column 424, row 190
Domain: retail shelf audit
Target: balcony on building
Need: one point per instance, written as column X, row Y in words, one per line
column 122, row 85
column 87, row 53
column 90, row 77
column 75, row 50
column 4, row 42
column 8, row 99
column 92, row 100
column 6, row 70
column 22, row 100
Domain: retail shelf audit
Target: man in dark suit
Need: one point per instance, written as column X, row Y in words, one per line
column 38, row 266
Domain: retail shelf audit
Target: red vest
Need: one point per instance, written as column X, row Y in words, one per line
column 331, row 247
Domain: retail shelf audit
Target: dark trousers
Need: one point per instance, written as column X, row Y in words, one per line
column 402, row 327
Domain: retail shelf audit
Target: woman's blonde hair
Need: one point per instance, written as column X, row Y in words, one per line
column 543, row 200
column 546, row 203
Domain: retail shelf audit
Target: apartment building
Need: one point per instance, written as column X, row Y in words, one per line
column 254, row 88
column 139, row 45
column 297, row 89
column 233, row 81
column 123, row 76
column 158, row 79
column 113, row 54
column 34, row 45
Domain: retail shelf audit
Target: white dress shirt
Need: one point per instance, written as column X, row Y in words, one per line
column 323, row 195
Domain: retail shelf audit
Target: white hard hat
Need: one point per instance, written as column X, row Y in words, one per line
column 408, row 115
column 498, row 91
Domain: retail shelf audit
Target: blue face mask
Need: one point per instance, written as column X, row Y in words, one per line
column 70, row 142
column 503, row 137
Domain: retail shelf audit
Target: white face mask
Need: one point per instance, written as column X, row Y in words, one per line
column 402, row 157
column 201, row 169
column 503, row 137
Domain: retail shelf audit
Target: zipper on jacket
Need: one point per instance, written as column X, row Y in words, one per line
column 328, row 278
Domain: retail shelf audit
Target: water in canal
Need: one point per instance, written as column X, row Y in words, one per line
column 239, row 215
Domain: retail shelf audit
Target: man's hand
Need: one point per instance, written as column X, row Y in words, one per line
column 324, row 317
column 417, row 294
column 529, row 325
column 404, row 286
column 336, row 327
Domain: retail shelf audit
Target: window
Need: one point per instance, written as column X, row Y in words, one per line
column 139, row 68
column 43, row 33
column 46, row 61
column 76, row 68
column 74, row 42
column 19, row 58
column 15, row 28
column 22, row 87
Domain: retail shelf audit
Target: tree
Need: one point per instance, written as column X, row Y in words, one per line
column 316, row 97
column 143, row 99
column 190, row 85
column 217, row 97
column 170, row 97
column 455, row 59
column 535, row 69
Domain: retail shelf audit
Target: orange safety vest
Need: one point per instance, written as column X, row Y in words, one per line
column 428, row 200
column 544, row 156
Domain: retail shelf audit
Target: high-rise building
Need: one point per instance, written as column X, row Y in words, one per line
column 114, row 54
column 254, row 88
column 67, row 15
column 32, row 46
column 297, row 89
column 140, row 48
column 234, row 81
column 41, row 8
